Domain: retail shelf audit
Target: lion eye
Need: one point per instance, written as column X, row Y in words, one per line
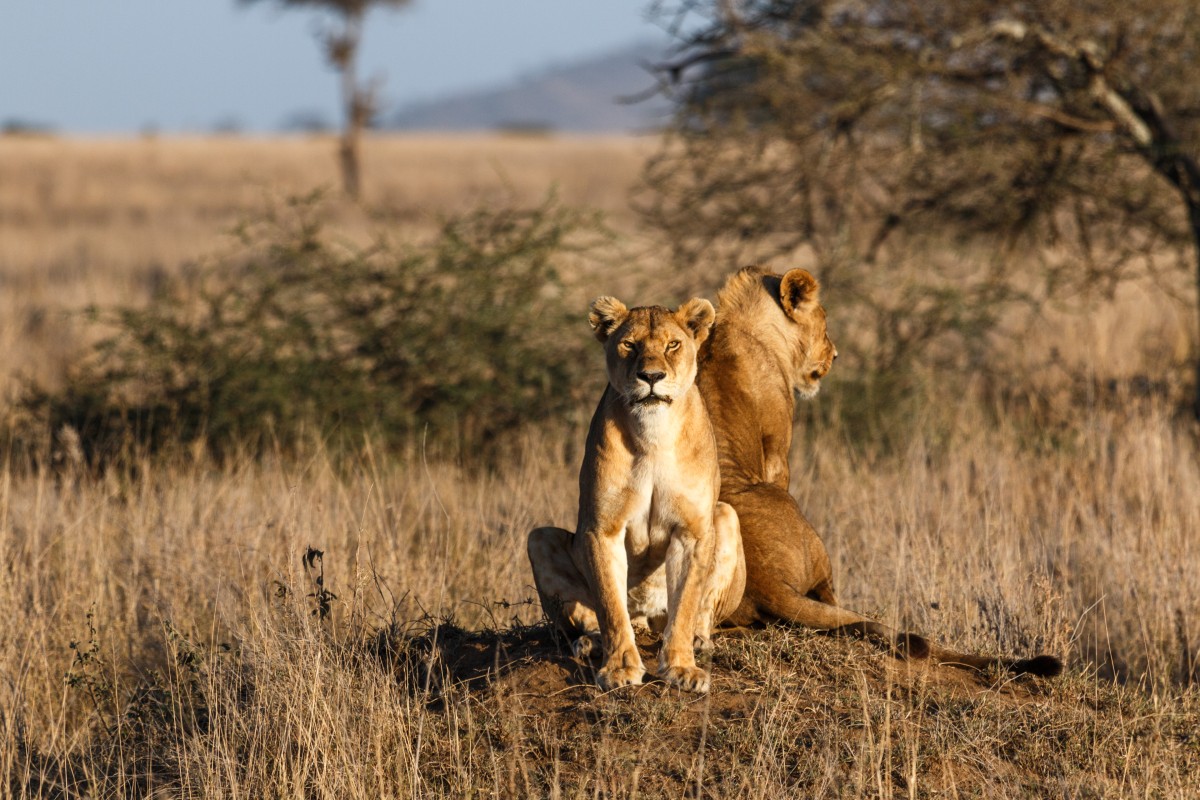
column 626, row 347
column 672, row 345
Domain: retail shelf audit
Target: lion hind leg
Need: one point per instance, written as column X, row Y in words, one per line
column 562, row 589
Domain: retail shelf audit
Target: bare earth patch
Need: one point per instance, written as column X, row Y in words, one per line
column 791, row 711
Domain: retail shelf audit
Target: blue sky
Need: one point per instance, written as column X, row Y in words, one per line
column 122, row 66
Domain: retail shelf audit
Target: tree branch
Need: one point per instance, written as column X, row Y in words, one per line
column 1088, row 55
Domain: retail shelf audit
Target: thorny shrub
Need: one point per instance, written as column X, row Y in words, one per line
column 301, row 335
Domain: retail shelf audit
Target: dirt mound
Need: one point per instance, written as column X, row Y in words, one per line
column 536, row 662
column 789, row 709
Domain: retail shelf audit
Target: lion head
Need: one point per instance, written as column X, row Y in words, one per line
column 800, row 297
column 784, row 315
column 651, row 351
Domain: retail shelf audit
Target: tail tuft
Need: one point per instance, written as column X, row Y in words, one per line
column 1043, row 665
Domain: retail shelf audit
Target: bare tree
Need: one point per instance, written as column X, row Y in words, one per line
column 359, row 100
column 1069, row 122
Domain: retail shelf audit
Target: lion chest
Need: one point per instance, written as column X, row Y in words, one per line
column 652, row 518
column 654, row 505
column 659, row 507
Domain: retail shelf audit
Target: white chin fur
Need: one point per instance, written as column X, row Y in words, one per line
column 808, row 391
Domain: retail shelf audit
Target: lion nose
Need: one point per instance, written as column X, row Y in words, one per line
column 652, row 377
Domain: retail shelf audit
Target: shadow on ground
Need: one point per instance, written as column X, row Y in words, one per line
column 535, row 663
column 791, row 713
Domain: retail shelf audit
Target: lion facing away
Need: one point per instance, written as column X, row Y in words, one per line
column 770, row 343
column 652, row 544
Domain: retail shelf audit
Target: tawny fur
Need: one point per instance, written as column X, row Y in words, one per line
column 652, row 545
column 769, row 345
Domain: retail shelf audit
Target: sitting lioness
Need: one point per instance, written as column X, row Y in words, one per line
column 652, row 544
column 770, row 344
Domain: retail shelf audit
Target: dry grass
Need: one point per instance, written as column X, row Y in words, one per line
column 208, row 675
column 992, row 549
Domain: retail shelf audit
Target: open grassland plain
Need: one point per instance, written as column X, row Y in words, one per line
column 362, row 623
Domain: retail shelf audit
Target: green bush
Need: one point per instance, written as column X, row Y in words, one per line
column 461, row 340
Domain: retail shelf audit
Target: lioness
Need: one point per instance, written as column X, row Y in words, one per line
column 769, row 344
column 653, row 545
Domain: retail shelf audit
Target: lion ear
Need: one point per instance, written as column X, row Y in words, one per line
column 799, row 293
column 697, row 316
column 606, row 315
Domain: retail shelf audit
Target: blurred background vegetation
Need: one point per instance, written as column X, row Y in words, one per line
column 974, row 183
column 300, row 336
column 952, row 171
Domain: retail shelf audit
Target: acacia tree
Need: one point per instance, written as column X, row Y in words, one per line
column 359, row 100
column 857, row 127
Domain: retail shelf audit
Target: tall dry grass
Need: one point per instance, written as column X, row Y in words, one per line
column 193, row 579
column 1001, row 543
column 157, row 627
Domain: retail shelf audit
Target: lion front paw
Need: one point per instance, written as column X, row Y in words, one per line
column 690, row 679
column 616, row 676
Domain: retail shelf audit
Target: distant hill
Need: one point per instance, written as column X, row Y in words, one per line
column 582, row 96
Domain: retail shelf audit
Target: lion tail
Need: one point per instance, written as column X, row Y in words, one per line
column 1044, row 665
column 911, row 645
column 838, row 621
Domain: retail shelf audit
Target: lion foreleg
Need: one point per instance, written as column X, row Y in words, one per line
column 689, row 568
column 607, row 570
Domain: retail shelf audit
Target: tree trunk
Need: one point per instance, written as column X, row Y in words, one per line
column 1165, row 153
column 355, row 105
column 348, row 155
column 1194, row 218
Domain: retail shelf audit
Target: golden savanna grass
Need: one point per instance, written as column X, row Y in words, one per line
column 158, row 634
